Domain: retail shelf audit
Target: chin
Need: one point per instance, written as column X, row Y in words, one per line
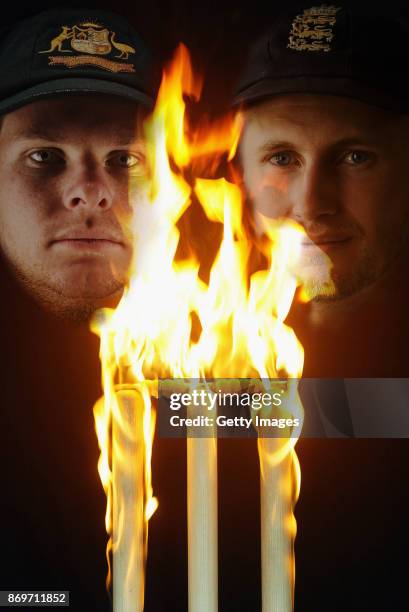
column 98, row 292
column 78, row 309
column 341, row 285
column 317, row 280
column 92, row 283
column 79, row 298
column 316, row 291
column 74, row 300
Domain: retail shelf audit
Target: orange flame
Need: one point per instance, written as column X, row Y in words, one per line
column 240, row 315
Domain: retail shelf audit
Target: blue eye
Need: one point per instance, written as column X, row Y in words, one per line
column 356, row 158
column 283, row 158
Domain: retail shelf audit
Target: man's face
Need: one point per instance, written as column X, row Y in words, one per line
column 339, row 168
column 72, row 170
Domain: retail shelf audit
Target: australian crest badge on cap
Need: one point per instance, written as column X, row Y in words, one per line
column 95, row 41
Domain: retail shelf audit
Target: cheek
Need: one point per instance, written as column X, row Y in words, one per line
column 20, row 232
column 268, row 191
column 136, row 192
column 24, row 206
column 36, row 194
column 128, row 194
column 130, row 202
column 380, row 208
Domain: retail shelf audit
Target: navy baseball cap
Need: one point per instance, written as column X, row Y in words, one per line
column 331, row 49
column 64, row 51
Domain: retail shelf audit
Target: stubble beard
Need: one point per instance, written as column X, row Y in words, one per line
column 366, row 271
column 77, row 304
column 341, row 285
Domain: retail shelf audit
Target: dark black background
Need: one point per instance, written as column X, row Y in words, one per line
column 353, row 510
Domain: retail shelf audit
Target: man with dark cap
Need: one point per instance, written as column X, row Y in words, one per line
column 325, row 105
column 326, row 121
column 325, row 100
column 75, row 86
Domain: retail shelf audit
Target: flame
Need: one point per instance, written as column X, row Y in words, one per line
column 170, row 321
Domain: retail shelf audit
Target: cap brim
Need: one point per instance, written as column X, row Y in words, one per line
column 61, row 87
column 336, row 86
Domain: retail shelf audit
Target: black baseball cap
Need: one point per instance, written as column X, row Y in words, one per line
column 331, row 49
column 62, row 51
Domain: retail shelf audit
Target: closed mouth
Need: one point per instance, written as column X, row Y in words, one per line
column 90, row 245
column 325, row 241
column 86, row 240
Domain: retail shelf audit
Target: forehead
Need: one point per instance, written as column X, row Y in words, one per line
column 59, row 118
column 321, row 118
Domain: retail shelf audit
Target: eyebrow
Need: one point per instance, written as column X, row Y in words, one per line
column 42, row 133
column 355, row 141
column 271, row 145
column 118, row 138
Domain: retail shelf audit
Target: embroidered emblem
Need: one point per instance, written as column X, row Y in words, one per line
column 58, row 41
column 82, row 60
column 313, row 30
column 86, row 39
column 92, row 39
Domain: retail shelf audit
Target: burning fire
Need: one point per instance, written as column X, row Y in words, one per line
column 170, row 321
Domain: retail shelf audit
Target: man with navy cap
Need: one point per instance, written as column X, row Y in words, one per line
column 325, row 104
column 326, row 123
column 75, row 85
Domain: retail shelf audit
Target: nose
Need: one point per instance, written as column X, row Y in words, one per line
column 88, row 189
column 314, row 195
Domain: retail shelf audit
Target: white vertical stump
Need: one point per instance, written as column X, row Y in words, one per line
column 277, row 528
column 202, row 519
column 128, row 503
